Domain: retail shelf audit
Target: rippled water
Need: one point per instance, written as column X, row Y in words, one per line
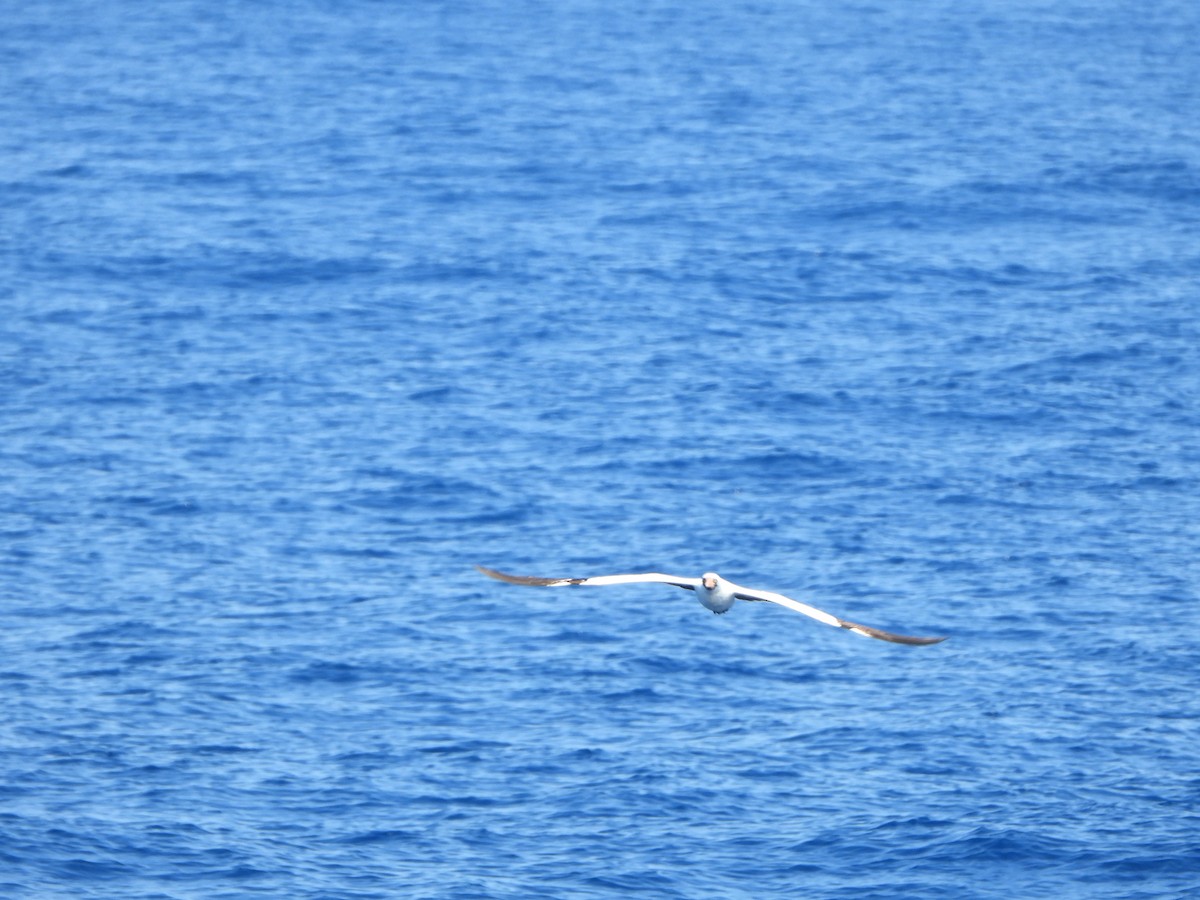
column 311, row 307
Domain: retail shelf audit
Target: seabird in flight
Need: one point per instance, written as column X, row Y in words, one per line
column 717, row 594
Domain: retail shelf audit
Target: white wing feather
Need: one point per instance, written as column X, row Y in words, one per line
column 647, row 578
column 811, row 611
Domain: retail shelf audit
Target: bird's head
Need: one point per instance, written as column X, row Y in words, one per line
column 709, row 580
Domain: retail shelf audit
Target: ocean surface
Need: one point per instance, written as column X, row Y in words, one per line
column 308, row 308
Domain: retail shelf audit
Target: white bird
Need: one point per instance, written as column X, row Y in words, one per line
column 714, row 593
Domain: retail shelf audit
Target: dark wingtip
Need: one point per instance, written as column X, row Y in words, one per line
column 882, row 635
column 518, row 579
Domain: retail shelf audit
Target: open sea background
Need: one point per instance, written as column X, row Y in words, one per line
column 309, row 307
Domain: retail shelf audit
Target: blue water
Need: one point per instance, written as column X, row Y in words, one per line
column 309, row 307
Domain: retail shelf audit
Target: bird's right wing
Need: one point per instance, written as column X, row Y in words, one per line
column 689, row 584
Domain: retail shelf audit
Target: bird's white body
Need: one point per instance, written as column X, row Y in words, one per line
column 716, row 594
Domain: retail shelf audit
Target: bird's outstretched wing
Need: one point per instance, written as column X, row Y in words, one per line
column 649, row 578
column 829, row 619
column 692, row 584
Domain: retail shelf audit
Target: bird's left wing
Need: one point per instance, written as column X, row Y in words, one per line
column 829, row 619
column 649, row 578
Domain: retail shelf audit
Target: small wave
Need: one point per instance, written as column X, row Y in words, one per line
column 328, row 673
column 383, row 836
column 464, row 747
